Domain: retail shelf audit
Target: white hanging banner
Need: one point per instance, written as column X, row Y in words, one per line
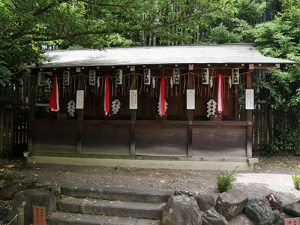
column 79, row 99
column 190, row 99
column 249, row 99
column 133, row 99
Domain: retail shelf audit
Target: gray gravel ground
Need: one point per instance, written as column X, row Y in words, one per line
column 271, row 175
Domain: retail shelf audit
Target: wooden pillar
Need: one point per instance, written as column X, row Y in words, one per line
column 80, row 118
column 190, row 113
column 249, row 116
column 133, row 86
column 32, row 100
column 1, row 132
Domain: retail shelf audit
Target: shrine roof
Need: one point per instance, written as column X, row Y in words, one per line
column 121, row 56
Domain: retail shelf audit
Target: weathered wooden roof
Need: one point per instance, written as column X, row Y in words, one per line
column 205, row 54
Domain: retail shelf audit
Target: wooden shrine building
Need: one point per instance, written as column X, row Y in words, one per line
column 172, row 107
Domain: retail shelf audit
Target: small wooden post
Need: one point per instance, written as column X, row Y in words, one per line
column 133, row 86
column 249, row 117
column 39, row 215
column 190, row 113
column 20, row 216
column 1, row 133
column 31, row 122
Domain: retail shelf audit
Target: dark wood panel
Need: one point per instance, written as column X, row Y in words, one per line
column 161, row 140
column 55, row 132
column 230, row 142
column 105, row 139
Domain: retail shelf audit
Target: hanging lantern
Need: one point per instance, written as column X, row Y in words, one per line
column 66, row 78
column 119, row 77
column 147, row 76
column 92, row 77
column 205, row 76
column 235, row 74
column 176, row 75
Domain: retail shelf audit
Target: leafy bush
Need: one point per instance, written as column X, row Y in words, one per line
column 225, row 181
column 296, row 178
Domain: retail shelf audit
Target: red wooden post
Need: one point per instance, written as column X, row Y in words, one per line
column 292, row 221
column 39, row 215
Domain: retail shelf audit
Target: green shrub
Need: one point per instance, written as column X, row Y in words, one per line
column 225, row 181
column 296, row 178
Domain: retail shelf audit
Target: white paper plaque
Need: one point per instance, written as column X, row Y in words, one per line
column 249, row 98
column 190, row 99
column 133, row 99
column 79, row 99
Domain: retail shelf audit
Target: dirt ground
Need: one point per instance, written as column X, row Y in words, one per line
column 270, row 175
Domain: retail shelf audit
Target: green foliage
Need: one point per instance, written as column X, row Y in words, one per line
column 221, row 35
column 31, row 183
column 296, row 178
column 225, row 181
column 281, row 88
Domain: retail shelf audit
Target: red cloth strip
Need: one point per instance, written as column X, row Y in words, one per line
column 54, row 97
column 162, row 95
column 107, row 95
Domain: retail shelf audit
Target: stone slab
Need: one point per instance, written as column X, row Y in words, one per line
column 149, row 195
column 110, row 208
column 155, row 164
column 59, row 218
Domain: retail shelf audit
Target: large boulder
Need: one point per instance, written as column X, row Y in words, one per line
column 212, row 217
column 29, row 198
column 292, row 208
column 231, row 204
column 241, row 219
column 205, row 202
column 181, row 210
column 259, row 211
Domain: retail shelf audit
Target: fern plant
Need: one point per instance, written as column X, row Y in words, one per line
column 225, row 181
column 296, row 178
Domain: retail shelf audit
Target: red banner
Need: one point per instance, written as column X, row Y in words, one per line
column 54, row 97
column 107, row 95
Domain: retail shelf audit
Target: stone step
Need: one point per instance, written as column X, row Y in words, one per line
column 149, row 195
column 111, row 208
column 59, row 218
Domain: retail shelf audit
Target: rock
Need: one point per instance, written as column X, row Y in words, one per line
column 231, row 204
column 55, row 188
column 27, row 199
column 274, row 201
column 188, row 193
column 259, row 211
column 241, row 219
column 212, row 217
column 2, row 182
column 3, row 213
column 181, row 210
column 205, row 202
column 276, row 214
column 292, row 208
column 8, row 192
